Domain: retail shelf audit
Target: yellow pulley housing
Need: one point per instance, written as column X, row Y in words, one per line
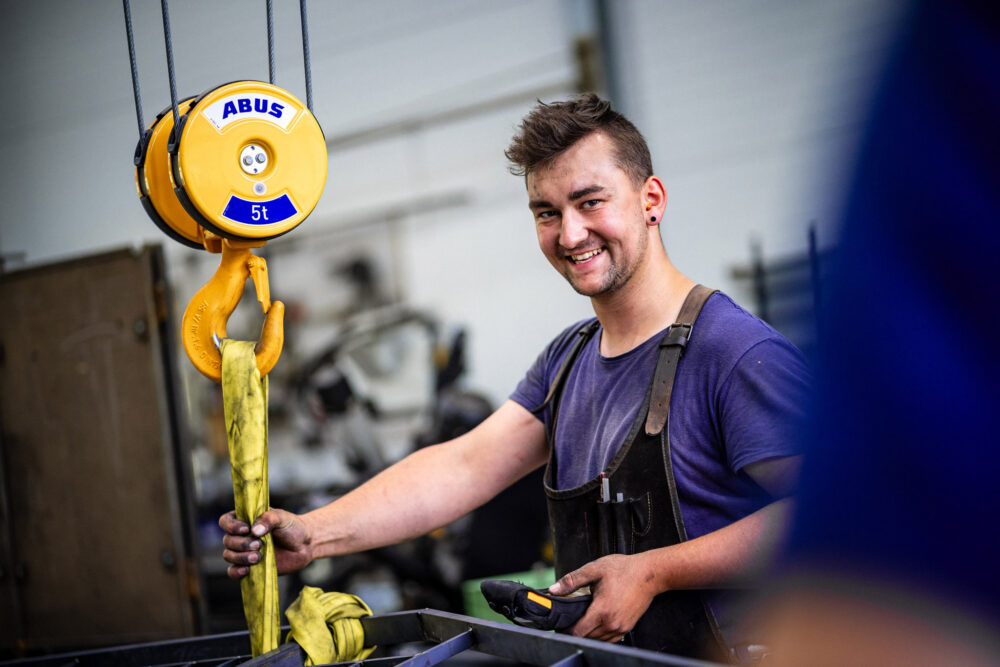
column 155, row 185
column 251, row 161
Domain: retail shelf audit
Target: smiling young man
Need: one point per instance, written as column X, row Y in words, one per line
column 666, row 475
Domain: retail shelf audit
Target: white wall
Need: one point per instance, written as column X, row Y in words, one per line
column 750, row 108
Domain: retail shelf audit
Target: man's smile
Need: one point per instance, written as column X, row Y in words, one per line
column 584, row 256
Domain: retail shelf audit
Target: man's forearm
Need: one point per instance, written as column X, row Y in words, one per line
column 404, row 501
column 431, row 487
column 730, row 556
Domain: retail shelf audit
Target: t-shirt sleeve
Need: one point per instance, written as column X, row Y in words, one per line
column 531, row 390
column 534, row 386
column 763, row 403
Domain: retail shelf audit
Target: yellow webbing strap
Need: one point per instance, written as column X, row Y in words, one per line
column 244, row 397
column 327, row 626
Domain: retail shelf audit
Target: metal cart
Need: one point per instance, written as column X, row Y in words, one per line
column 423, row 638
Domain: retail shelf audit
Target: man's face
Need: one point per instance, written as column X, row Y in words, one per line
column 589, row 217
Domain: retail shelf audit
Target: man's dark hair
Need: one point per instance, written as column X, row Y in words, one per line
column 550, row 129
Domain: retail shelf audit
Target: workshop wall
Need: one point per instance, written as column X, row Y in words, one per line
column 750, row 109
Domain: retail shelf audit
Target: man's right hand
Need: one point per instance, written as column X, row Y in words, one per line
column 291, row 542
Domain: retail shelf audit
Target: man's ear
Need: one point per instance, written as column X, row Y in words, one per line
column 654, row 196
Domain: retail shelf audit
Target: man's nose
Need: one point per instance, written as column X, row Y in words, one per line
column 573, row 231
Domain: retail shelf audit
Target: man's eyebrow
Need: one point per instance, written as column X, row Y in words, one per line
column 573, row 196
column 583, row 192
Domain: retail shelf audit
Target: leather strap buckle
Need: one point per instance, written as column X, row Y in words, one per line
column 677, row 336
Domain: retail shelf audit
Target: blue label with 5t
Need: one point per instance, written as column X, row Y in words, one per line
column 259, row 212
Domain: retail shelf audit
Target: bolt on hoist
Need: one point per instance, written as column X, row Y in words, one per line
column 226, row 171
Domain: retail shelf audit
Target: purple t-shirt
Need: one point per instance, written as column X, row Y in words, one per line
column 739, row 396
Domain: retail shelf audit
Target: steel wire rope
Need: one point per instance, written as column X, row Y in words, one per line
column 270, row 42
column 174, row 136
column 135, row 69
column 305, row 54
column 168, row 45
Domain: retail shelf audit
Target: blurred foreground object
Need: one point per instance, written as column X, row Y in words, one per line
column 891, row 552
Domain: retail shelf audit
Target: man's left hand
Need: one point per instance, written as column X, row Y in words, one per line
column 622, row 586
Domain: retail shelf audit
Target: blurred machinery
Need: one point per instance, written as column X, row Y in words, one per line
column 387, row 379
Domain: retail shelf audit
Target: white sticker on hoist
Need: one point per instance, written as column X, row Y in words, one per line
column 257, row 106
column 259, row 212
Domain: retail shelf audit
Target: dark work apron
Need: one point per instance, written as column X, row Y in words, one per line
column 648, row 515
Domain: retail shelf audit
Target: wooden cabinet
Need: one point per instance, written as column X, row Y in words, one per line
column 96, row 543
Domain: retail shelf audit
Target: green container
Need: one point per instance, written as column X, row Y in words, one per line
column 475, row 603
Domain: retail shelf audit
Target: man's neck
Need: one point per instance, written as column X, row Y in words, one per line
column 647, row 304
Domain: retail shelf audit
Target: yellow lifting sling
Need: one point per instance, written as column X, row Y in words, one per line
column 244, row 398
column 326, row 625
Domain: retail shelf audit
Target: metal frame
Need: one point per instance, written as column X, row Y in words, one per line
column 788, row 290
column 449, row 635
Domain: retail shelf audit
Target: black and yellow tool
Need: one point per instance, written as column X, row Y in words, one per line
column 534, row 607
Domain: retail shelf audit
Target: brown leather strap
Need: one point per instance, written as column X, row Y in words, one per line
column 671, row 349
column 584, row 334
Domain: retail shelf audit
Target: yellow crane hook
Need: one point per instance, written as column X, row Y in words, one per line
column 204, row 322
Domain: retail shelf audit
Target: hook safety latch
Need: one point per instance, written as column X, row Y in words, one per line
column 205, row 319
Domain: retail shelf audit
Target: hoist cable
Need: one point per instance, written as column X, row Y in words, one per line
column 170, row 72
column 305, row 54
column 168, row 44
column 270, row 42
column 135, row 69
